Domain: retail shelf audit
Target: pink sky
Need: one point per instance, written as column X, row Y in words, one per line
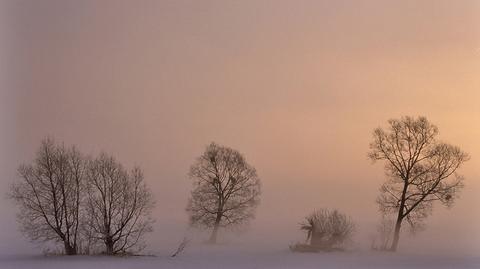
column 297, row 86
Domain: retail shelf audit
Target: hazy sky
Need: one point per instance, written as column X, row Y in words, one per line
column 296, row 86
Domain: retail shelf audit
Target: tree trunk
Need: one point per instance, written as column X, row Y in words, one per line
column 396, row 235
column 69, row 250
column 398, row 224
column 109, row 246
column 316, row 240
column 213, row 236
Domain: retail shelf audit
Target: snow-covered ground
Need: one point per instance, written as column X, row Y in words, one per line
column 225, row 257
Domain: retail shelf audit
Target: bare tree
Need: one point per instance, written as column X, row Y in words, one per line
column 327, row 229
column 226, row 189
column 420, row 170
column 49, row 195
column 385, row 233
column 119, row 205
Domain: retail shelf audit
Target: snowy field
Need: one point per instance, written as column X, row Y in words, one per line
column 233, row 257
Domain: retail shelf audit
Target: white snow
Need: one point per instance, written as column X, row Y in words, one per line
column 227, row 256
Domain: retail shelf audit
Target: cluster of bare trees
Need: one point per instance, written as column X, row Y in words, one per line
column 81, row 202
column 420, row 171
column 87, row 204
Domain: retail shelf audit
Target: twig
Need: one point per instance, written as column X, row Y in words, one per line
column 181, row 247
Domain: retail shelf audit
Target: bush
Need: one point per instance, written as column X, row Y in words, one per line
column 327, row 230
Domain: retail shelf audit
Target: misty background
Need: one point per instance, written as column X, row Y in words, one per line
column 296, row 86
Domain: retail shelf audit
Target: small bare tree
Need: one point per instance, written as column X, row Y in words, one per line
column 385, row 233
column 420, row 170
column 119, row 205
column 226, row 189
column 49, row 195
column 327, row 230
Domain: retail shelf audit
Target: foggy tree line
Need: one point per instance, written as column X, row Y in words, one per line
column 87, row 203
column 94, row 204
column 83, row 203
column 420, row 171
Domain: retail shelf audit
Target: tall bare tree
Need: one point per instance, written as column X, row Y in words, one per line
column 420, row 170
column 226, row 189
column 119, row 205
column 49, row 195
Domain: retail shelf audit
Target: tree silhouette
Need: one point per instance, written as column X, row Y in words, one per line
column 226, row 190
column 420, row 171
column 118, row 206
column 49, row 195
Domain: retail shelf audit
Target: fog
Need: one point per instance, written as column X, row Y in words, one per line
column 296, row 86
